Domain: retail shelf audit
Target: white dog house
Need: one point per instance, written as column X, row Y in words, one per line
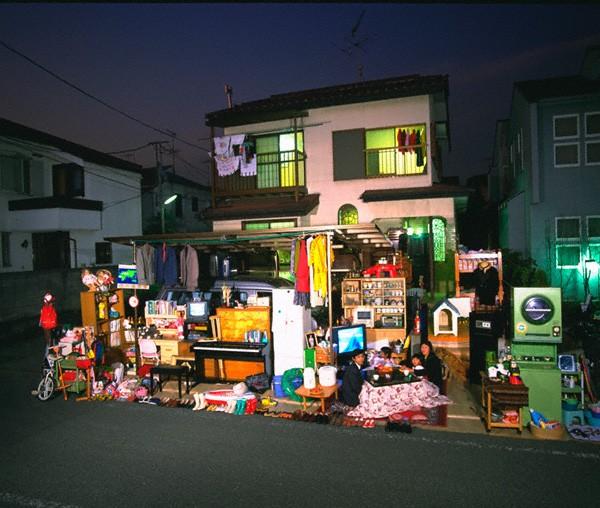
column 446, row 314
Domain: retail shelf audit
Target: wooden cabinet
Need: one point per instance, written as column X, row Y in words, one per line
column 104, row 311
column 467, row 263
column 386, row 296
column 172, row 347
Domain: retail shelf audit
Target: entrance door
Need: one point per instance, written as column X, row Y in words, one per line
column 51, row 250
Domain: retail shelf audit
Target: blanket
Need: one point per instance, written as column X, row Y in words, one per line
column 584, row 432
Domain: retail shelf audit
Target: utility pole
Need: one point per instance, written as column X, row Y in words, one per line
column 158, row 151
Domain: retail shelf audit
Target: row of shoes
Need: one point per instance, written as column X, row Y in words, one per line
column 302, row 416
column 398, row 427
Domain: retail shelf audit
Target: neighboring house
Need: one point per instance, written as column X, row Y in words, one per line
column 478, row 224
column 551, row 208
column 180, row 215
column 60, row 199
column 367, row 152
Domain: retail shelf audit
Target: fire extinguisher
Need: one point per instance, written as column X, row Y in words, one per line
column 417, row 323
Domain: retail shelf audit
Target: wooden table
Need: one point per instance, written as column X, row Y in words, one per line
column 503, row 395
column 324, row 393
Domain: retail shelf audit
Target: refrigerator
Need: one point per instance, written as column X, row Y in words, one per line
column 289, row 324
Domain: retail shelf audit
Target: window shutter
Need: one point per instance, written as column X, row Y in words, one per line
column 349, row 154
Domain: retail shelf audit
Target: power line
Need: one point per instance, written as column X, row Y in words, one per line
column 129, row 150
column 93, row 97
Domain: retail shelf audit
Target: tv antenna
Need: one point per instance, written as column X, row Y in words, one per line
column 354, row 44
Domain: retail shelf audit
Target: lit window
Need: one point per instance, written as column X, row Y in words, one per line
column 396, row 151
column 276, row 224
column 347, row 214
column 276, row 160
column 438, row 227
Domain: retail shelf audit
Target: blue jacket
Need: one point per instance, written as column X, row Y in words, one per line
column 165, row 269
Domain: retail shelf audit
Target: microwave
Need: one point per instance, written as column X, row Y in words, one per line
column 391, row 321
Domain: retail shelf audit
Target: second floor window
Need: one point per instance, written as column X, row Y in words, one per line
column 279, row 159
column 15, row 174
column 68, row 180
column 396, row 150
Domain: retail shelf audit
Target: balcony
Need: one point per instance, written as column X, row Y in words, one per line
column 407, row 161
column 280, row 173
column 54, row 214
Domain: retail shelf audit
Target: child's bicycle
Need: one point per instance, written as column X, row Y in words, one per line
column 52, row 376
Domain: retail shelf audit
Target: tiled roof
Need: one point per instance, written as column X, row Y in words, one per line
column 564, row 86
column 437, row 190
column 16, row 130
column 296, row 103
column 263, row 208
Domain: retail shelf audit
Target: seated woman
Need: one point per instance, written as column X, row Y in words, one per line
column 432, row 364
column 352, row 381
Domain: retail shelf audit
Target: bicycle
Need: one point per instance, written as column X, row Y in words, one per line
column 52, row 375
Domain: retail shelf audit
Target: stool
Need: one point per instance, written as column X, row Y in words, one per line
column 574, row 417
column 170, row 370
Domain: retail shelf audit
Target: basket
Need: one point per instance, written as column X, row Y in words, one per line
column 539, row 433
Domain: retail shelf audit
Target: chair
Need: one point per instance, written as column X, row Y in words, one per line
column 148, row 351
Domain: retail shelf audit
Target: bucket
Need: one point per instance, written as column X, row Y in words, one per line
column 277, row 389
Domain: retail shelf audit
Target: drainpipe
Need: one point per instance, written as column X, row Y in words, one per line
column 74, row 250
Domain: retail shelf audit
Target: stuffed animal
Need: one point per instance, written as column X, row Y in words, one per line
column 105, row 279
column 89, row 279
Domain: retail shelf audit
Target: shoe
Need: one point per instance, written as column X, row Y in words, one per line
column 197, row 401
column 242, row 409
column 231, row 406
column 35, row 393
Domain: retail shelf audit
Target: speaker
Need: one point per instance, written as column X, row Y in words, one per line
column 484, row 330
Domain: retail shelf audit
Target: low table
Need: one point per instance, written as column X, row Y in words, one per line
column 170, row 370
column 324, row 393
column 503, row 395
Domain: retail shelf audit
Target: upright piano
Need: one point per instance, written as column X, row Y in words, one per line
column 229, row 350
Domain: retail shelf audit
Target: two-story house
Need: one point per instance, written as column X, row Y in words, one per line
column 60, row 199
column 551, row 210
column 179, row 214
column 367, row 152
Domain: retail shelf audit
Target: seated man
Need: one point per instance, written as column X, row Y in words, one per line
column 353, row 380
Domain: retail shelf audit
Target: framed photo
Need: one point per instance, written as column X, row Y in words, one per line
column 311, row 340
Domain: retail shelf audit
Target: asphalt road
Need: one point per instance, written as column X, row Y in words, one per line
column 58, row 453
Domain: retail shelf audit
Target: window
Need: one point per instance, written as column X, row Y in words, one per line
column 592, row 152
column 593, row 226
column 592, row 124
column 276, row 160
column 566, row 126
column 15, row 174
column 568, row 228
column 567, row 256
column 103, row 253
column 566, row 154
column 438, row 227
column 68, row 180
column 275, row 224
column 396, row 151
column 194, row 204
column 347, row 214
column 5, row 249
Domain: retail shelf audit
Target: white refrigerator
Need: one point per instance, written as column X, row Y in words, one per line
column 289, row 324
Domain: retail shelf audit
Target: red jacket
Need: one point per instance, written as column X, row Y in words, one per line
column 48, row 318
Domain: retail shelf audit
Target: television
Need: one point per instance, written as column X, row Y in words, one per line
column 197, row 311
column 127, row 278
column 347, row 339
column 364, row 316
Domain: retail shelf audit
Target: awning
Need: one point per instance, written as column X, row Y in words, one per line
column 356, row 236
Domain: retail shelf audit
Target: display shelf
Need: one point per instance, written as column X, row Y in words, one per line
column 386, row 296
column 95, row 309
column 576, row 379
column 465, row 263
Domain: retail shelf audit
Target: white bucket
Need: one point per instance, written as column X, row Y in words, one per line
column 327, row 375
column 309, row 378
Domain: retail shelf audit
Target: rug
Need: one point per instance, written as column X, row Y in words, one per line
column 435, row 416
column 584, row 432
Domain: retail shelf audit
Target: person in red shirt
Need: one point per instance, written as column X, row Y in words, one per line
column 48, row 320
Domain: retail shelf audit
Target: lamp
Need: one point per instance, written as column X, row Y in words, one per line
column 167, row 201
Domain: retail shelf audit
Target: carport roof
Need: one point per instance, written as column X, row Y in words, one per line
column 355, row 235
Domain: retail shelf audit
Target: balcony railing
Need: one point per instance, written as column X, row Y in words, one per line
column 410, row 160
column 276, row 173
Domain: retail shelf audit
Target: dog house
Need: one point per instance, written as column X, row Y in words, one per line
column 446, row 314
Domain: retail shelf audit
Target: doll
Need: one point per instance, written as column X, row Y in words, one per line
column 89, row 279
column 48, row 318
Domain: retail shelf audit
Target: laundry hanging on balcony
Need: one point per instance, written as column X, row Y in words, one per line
column 248, row 157
column 226, row 160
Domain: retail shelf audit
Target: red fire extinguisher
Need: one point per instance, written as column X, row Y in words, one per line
column 417, row 324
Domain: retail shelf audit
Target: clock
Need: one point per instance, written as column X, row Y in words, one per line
column 567, row 363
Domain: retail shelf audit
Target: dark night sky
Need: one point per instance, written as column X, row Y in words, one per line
column 167, row 64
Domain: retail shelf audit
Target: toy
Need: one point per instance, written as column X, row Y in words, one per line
column 382, row 270
column 105, row 279
column 89, row 280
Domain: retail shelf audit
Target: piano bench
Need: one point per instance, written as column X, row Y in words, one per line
column 170, row 370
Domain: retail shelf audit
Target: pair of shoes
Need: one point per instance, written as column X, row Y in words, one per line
column 297, row 415
column 398, row 427
column 321, row 418
column 231, row 406
column 369, row 424
column 240, row 407
column 200, row 400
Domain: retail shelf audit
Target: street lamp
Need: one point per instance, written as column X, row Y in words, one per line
column 167, row 201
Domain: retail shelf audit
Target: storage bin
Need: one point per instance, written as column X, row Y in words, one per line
column 277, row 389
column 539, row 433
column 592, row 418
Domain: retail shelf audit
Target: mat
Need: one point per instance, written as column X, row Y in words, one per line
column 584, row 432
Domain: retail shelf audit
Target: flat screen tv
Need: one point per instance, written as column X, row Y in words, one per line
column 197, row 312
column 347, row 339
column 127, row 278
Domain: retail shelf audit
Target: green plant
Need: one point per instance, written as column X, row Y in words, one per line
column 520, row 271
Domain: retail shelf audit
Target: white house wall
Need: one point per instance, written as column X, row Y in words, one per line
column 318, row 130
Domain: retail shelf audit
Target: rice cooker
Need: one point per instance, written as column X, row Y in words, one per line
column 309, row 378
column 327, row 375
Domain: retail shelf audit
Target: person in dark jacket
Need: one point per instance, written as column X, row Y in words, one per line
column 432, row 364
column 353, row 380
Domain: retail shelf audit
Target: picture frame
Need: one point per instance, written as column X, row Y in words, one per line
column 310, row 340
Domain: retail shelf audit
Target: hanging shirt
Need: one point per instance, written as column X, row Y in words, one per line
column 315, row 298
column 318, row 260
column 188, row 261
column 144, row 260
column 226, row 161
column 165, row 261
column 302, row 294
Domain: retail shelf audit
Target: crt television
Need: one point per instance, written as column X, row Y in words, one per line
column 349, row 338
column 197, row 311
